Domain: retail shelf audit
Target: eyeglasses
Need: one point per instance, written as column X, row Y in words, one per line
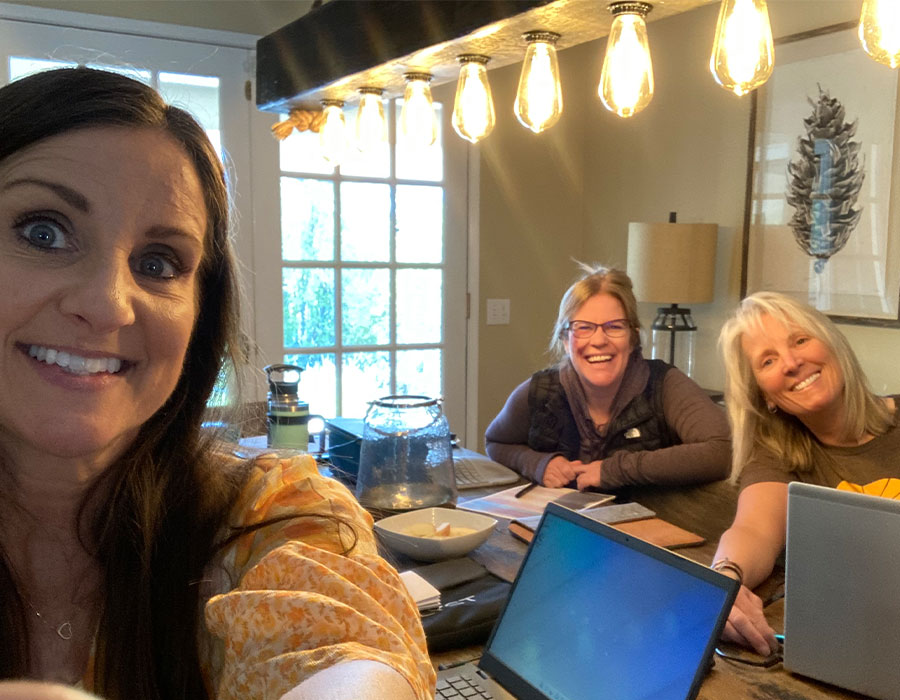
column 585, row 329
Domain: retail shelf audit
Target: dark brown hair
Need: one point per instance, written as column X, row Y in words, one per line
column 163, row 502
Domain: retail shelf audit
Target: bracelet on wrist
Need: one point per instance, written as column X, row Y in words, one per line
column 725, row 564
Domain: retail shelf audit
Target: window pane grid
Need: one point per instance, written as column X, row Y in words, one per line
column 366, row 356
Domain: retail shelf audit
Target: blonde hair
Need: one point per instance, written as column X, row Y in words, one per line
column 782, row 434
column 596, row 279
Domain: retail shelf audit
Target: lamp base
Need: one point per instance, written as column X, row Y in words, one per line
column 673, row 332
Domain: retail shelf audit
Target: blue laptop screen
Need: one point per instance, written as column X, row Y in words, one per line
column 605, row 616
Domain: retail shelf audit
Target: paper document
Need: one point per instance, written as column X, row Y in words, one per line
column 427, row 597
column 504, row 504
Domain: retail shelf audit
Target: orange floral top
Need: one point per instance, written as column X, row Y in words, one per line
column 303, row 594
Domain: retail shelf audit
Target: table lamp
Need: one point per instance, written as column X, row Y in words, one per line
column 675, row 264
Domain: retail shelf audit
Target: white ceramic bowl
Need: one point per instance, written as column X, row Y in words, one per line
column 393, row 532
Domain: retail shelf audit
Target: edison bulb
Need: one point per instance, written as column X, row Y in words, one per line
column 473, row 108
column 879, row 30
column 417, row 122
column 539, row 102
column 743, row 55
column 332, row 136
column 371, row 128
column 626, row 81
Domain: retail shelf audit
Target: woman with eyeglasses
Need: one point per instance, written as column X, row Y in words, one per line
column 603, row 417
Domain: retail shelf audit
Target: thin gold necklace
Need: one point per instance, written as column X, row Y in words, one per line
column 64, row 630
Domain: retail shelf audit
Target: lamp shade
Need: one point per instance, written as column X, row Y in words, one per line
column 672, row 263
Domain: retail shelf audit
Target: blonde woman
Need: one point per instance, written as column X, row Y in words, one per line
column 603, row 417
column 800, row 410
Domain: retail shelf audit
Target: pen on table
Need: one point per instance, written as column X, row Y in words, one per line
column 523, row 491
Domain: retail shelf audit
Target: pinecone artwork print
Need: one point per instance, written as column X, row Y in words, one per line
column 824, row 181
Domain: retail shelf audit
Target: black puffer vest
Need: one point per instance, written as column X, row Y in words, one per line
column 641, row 426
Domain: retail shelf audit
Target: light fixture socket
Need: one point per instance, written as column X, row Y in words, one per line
column 332, row 103
column 370, row 91
column 427, row 77
column 629, row 8
column 473, row 58
column 541, row 35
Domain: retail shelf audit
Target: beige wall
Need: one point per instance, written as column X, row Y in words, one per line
column 545, row 199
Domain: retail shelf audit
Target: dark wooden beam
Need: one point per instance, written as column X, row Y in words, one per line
column 347, row 37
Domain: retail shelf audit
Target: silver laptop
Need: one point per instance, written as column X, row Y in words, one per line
column 842, row 589
column 595, row 613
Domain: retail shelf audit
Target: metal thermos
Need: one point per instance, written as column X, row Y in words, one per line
column 287, row 417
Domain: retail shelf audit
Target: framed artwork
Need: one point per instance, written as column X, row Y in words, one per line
column 822, row 219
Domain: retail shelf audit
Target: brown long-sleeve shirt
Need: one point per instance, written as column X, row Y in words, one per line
column 701, row 426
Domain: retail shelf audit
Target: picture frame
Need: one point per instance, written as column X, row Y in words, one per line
column 829, row 237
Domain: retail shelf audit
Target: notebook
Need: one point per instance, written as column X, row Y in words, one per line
column 596, row 613
column 522, row 501
column 842, row 589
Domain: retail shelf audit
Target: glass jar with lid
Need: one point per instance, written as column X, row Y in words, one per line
column 405, row 459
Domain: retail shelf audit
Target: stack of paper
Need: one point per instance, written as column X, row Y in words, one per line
column 427, row 597
column 506, row 504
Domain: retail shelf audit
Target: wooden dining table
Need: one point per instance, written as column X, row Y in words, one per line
column 502, row 555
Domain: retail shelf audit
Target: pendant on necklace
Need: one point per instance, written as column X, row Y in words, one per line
column 64, row 631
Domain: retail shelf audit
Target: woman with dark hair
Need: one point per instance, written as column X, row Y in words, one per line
column 603, row 417
column 136, row 559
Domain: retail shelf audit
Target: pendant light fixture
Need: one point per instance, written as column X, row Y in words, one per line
column 539, row 102
column 879, row 30
column 626, row 82
column 332, row 136
column 473, row 109
column 417, row 123
column 743, row 55
column 371, row 128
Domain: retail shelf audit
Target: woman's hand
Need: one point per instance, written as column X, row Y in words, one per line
column 747, row 624
column 559, row 472
column 588, row 475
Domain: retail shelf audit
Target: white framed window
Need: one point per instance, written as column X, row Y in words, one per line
column 372, row 271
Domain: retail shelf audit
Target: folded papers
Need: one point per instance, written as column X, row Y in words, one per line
column 427, row 597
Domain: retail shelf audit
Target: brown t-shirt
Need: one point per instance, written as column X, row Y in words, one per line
column 862, row 464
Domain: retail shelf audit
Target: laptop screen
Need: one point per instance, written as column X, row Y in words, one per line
column 595, row 613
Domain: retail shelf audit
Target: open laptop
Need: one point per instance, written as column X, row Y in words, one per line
column 472, row 469
column 596, row 613
column 842, row 589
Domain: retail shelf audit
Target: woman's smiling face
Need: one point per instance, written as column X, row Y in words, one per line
column 101, row 235
column 599, row 360
column 795, row 371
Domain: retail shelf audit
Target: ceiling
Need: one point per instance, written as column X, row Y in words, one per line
column 259, row 17
column 577, row 21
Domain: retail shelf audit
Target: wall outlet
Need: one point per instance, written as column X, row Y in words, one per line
column 497, row 312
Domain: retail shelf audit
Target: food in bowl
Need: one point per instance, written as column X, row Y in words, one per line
column 443, row 530
column 434, row 534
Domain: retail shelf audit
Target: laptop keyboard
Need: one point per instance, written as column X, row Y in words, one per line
column 467, row 475
column 459, row 687
column 474, row 471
